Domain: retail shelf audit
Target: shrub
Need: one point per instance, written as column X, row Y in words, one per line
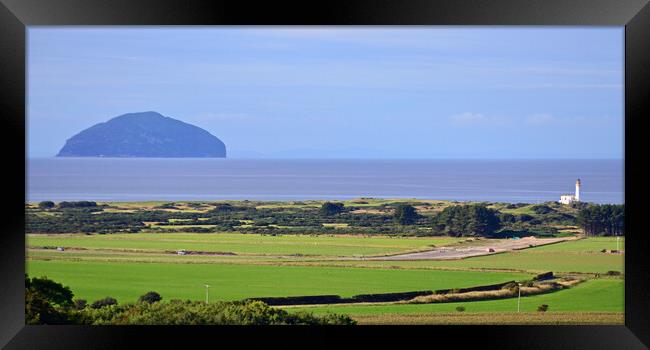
column 613, row 273
column 542, row 308
column 150, row 297
column 108, row 301
column 222, row 208
column 167, row 206
column 329, row 208
column 525, row 217
column 38, row 310
column 460, row 308
column 199, row 313
column 542, row 209
column 80, row 304
column 46, row 205
column 544, row 276
column 79, row 204
column 507, row 218
column 528, row 283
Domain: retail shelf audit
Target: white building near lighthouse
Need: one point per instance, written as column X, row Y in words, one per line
column 568, row 198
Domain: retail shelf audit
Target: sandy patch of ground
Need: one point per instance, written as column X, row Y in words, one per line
column 482, row 247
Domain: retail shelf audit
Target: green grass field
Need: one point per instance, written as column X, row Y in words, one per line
column 127, row 281
column 602, row 295
column 126, row 266
column 242, row 243
column 583, row 256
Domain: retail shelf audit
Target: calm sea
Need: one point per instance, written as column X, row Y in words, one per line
column 138, row 179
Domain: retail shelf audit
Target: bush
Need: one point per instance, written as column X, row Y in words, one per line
column 200, row 313
column 38, row 310
column 108, row 301
column 507, row 218
column 542, row 308
column 460, row 308
column 329, row 208
column 544, row 276
column 80, row 304
column 528, row 283
column 79, row 204
column 542, row 209
column 46, row 205
column 525, row 218
column 150, row 297
column 166, row 206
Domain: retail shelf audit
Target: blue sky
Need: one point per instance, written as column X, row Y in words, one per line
column 340, row 92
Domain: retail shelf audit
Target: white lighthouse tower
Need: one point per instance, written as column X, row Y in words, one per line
column 568, row 198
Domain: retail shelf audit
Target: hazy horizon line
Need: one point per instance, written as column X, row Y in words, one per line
column 343, row 158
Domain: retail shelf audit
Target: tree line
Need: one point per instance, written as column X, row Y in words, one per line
column 397, row 218
column 607, row 219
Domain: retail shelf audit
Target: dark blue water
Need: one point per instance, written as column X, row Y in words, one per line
column 530, row 181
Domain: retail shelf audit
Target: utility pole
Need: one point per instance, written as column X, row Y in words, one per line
column 207, row 293
column 519, row 297
column 617, row 239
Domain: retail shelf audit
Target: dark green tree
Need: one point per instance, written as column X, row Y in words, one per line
column 405, row 214
column 608, row 219
column 46, row 301
column 329, row 208
column 467, row 220
column 55, row 293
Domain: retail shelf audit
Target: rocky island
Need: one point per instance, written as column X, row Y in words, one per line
column 144, row 134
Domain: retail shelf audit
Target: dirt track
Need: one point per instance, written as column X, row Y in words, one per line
column 480, row 247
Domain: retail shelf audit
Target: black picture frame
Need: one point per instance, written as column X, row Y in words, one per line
column 15, row 15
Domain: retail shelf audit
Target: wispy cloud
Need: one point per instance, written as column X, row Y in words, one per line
column 469, row 119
